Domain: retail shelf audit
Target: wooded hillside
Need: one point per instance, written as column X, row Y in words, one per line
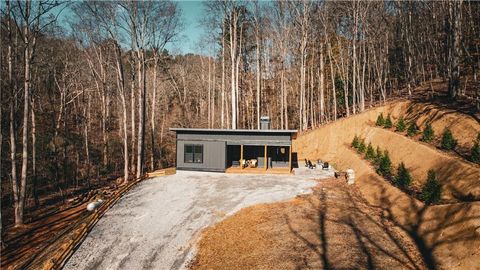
column 93, row 95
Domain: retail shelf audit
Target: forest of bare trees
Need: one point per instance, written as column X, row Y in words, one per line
column 93, row 95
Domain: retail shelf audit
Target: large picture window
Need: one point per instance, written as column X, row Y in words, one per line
column 193, row 153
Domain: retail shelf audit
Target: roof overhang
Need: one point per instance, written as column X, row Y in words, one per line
column 238, row 131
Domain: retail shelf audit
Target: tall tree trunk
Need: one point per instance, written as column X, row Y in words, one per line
column 11, row 107
column 1, row 143
column 344, row 69
column 332, row 78
column 303, row 114
column 13, row 161
column 345, row 91
column 285, row 99
column 132, row 112
column 354, row 58
column 209, row 94
column 105, row 105
column 282, row 105
column 259, row 73
column 34, row 156
column 26, row 101
column 237, row 71
column 141, row 112
column 214, row 93
column 354, row 81
column 152, row 116
column 322, row 86
column 362, row 79
column 122, row 91
column 222, row 117
column 86, row 113
column 104, row 128
column 125, row 137
column 314, row 108
column 453, row 47
column 408, row 37
column 13, row 143
column 233, row 57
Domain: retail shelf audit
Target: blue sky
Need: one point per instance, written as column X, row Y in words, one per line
column 192, row 14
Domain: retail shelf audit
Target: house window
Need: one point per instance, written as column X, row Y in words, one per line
column 193, row 153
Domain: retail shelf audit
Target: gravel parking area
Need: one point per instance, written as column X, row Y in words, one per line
column 156, row 224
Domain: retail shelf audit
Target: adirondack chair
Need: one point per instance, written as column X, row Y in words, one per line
column 243, row 163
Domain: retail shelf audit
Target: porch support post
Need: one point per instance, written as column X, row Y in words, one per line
column 290, row 157
column 266, row 156
column 241, row 156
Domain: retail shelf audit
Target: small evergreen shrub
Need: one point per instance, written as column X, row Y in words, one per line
column 403, row 179
column 380, row 120
column 370, row 154
column 385, row 166
column 388, row 122
column 378, row 157
column 427, row 133
column 432, row 190
column 475, row 153
column 412, row 129
column 401, row 126
column 361, row 146
column 355, row 142
column 448, row 141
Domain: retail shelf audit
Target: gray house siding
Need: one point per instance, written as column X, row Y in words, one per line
column 213, row 155
column 238, row 139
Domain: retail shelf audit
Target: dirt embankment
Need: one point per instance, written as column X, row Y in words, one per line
column 447, row 236
column 459, row 177
column 331, row 228
column 464, row 127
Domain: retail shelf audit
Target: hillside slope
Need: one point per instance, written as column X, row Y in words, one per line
column 459, row 177
column 447, row 235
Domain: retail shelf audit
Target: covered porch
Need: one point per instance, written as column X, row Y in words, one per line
column 259, row 159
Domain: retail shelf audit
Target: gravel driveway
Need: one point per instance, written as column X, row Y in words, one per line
column 156, row 224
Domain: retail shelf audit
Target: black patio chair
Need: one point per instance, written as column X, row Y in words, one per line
column 325, row 166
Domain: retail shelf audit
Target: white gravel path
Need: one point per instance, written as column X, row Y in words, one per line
column 156, row 224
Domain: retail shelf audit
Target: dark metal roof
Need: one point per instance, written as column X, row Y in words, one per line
column 213, row 130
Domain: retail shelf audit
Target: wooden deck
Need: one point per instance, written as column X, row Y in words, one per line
column 258, row 170
column 162, row 172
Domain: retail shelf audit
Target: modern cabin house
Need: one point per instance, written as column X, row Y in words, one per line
column 234, row 150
